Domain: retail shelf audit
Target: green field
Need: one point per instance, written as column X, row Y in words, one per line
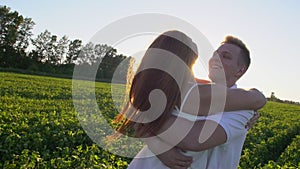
column 39, row 129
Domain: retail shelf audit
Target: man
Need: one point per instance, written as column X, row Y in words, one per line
column 232, row 57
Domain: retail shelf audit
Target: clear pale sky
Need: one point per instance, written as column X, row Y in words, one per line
column 270, row 29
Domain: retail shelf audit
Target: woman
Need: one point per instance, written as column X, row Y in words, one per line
column 162, row 85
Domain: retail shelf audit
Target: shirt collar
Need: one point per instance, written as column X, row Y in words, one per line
column 233, row 86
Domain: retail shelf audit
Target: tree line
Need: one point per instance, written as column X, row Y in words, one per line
column 276, row 99
column 52, row 54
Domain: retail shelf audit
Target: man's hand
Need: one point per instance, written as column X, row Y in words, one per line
column 253, row 120
column 174, row 159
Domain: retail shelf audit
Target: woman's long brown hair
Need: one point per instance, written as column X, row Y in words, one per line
column 149, row 79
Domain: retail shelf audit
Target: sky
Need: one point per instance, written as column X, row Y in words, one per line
column 269, row 28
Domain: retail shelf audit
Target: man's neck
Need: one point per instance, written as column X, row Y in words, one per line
column 202, row 81
column 229, row 85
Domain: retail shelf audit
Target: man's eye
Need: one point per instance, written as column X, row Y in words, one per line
column 226, row 56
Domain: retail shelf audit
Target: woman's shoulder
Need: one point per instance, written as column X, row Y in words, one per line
column 202, row 81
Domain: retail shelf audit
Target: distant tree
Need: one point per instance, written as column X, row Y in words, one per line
column 86, row 54
column 74, row 49
column 10, row 22
column 41, row 43
column 24, row 35
column 122, row 71
column 92, row 54
column 49, row 49
column 15, row 32
column 51, row 53
column 272, row 97
column 102, row 50
column 52, row 50
column 108, row 63
column 61, row 50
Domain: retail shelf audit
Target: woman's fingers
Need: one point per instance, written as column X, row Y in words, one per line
column 183, row 160
column 179, row 167
column 182, row 165
column 174, row 158
column 252, row 121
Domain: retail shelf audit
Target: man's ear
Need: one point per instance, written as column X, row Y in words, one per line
column 241, row 71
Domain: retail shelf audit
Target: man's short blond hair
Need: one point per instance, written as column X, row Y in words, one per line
column 245, row 54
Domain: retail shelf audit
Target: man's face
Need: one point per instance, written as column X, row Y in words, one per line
column 226, row 55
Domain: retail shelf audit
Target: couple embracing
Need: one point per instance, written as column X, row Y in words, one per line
column 188, row 122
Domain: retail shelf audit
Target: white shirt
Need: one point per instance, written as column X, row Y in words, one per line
column 227, row 155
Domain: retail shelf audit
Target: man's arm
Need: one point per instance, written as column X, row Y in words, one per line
column 214, row 98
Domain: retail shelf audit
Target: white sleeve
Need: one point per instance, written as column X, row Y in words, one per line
column 234, row 123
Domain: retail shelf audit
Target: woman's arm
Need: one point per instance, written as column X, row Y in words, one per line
column 185, row 134
column 214, row 98
column 166, row 153
column 239, row 99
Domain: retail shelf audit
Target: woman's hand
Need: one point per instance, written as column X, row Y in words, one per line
column 174, row 159
column 252, row 121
